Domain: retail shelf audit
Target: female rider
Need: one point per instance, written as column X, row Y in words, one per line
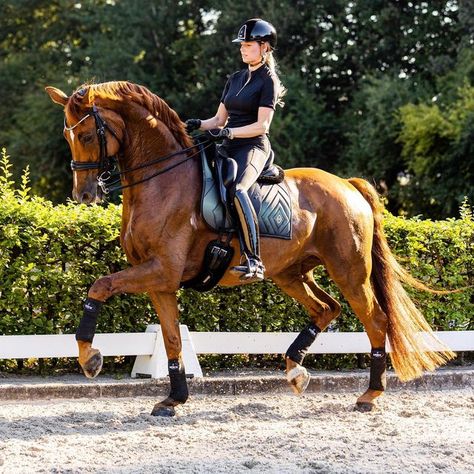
column 246, row 111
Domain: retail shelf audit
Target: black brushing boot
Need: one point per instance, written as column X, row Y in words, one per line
column 179, row 390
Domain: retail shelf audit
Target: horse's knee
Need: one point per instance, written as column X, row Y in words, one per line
column 173, row 340
column 101, row 289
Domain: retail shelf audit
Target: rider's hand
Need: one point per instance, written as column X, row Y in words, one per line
column 219, row 134
column 192, row 124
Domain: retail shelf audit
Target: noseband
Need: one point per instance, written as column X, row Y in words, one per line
column 107, row 164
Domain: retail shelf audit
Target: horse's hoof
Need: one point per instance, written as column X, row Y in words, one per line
column 365, row 407
column 163, row 410
column 93, row 366
column 298, row 378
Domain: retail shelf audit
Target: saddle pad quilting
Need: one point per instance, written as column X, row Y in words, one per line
column 275, row 213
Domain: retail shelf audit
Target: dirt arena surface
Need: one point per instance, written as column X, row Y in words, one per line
column 411, row 432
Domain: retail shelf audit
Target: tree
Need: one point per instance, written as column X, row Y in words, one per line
column 438, row 146
column 348, row 65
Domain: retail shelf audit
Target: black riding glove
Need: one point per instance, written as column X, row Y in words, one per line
column 192, row 124
column 219, row 133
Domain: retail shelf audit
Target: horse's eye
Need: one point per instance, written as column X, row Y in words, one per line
column 86, row 138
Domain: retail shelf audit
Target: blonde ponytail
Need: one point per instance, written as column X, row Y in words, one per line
column 272, row 65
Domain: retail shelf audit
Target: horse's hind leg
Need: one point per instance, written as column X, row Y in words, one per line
column 322, row 309
column 356, row 287
column 375, row 321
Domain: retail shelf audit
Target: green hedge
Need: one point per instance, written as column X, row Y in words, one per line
column 50, row 255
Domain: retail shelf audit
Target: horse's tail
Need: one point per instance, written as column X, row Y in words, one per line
column 409, row 354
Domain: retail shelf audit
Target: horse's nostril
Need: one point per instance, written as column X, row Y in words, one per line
column 86, row 198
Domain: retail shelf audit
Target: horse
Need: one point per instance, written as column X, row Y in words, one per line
column 337, row 223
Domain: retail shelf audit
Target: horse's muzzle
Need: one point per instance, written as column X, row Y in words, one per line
column 90, row 195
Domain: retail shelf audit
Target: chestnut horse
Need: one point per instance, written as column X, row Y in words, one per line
column 336, row 223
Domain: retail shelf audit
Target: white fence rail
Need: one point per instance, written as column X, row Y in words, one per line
column 151, row 356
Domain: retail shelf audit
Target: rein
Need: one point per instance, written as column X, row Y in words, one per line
column 107, row 164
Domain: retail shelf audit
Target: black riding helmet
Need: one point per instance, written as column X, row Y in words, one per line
column 257, row 29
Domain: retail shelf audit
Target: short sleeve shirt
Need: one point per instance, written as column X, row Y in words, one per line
column 244, row 94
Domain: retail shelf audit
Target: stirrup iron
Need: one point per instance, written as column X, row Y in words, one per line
column 253, row 270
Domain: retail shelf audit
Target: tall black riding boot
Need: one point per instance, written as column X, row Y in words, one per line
column 248, row 226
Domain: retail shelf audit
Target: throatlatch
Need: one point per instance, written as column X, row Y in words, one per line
column 378, row 367
column 302, row 343
column 179, row 387
column 86, row 330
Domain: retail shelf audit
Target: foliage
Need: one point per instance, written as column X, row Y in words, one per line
column 438, row 149
column 303, row 128
column 337, row 58
column 51, row 254
column 372, row 131
column 414, row 140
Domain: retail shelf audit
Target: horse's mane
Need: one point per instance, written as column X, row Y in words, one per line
column 124, row 90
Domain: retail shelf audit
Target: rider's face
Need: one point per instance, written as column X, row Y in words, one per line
column 251, row 51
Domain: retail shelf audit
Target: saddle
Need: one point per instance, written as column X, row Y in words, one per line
column 270, row 198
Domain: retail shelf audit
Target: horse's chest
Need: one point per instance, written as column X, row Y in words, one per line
column 137, row 241
column 145, row 238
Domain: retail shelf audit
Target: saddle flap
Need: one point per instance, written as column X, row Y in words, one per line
column 226, row 172
column 213, row 211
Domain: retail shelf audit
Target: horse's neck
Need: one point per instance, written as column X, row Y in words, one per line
column 146, row 143
column 144, row 146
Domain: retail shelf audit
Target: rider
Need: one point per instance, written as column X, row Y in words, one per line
column 246, row 111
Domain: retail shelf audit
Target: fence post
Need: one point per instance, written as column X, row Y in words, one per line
column 156, row 364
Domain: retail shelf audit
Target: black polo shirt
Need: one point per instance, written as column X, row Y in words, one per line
column 246, row 91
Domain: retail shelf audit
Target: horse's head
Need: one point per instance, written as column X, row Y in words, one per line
column 94, row 134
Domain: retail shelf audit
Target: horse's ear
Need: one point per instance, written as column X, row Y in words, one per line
column 57, row 96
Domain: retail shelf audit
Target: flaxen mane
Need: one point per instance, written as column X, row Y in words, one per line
column 123, row 90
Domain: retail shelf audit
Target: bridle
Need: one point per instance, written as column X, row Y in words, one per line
column 108, row 165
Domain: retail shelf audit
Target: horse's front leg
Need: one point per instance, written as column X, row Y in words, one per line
column 166, row 307
column 136, row 279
